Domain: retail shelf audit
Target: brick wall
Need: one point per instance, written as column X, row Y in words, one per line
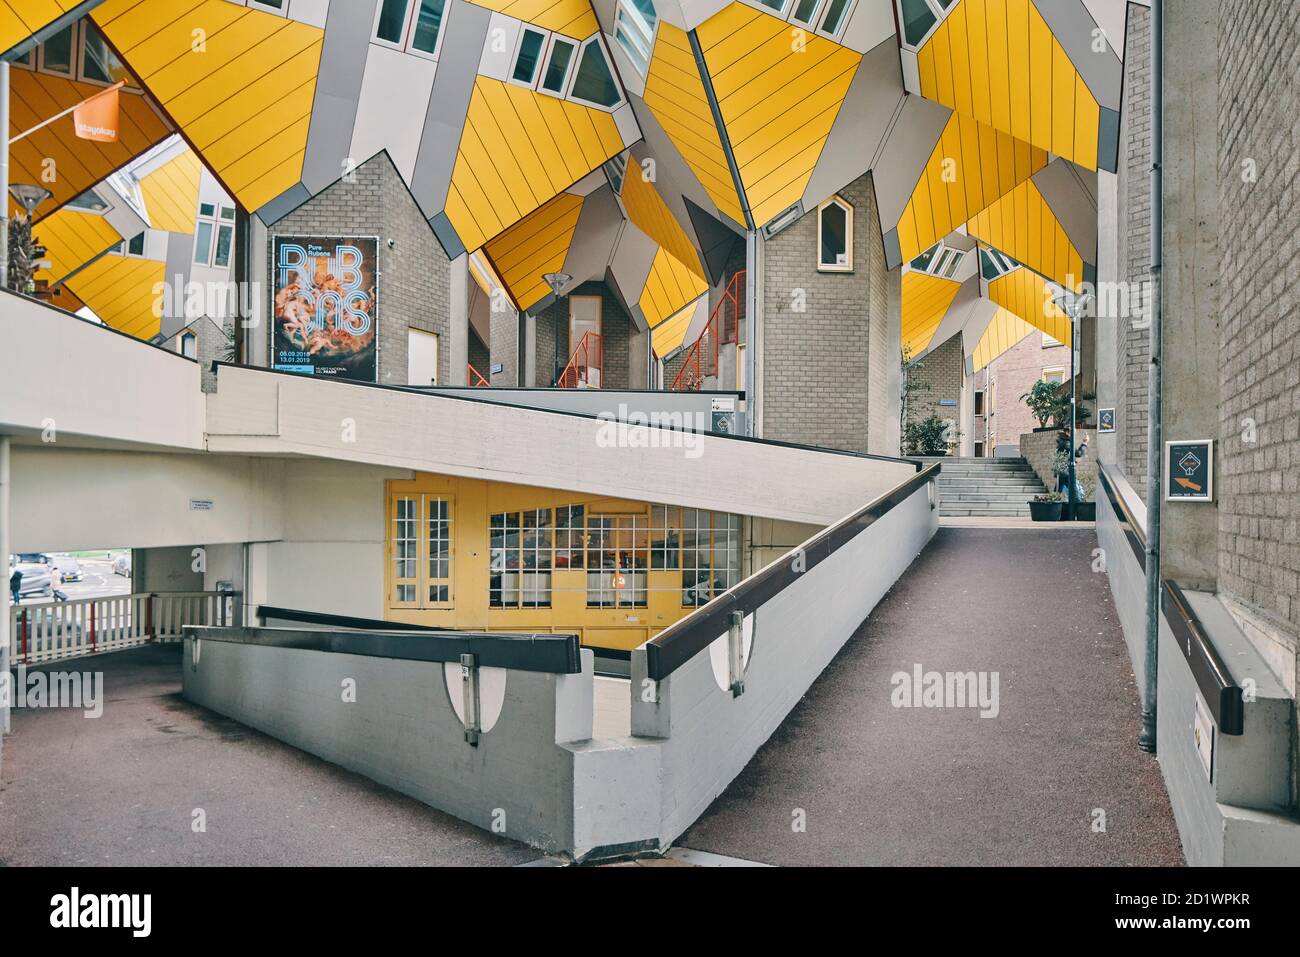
column 1133, row 356
column 414, row 274
column 479, row 356
column 552, row 337
column 1039, row 450
column 821, row 382
column 1258, row 486
column 503, row 331
column 212, row 344
column 1012, row 375
column 942, row 372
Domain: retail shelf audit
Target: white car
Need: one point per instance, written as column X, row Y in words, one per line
column 122, row 565
column 38, row 578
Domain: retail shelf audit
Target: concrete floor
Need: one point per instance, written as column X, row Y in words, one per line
column 883, row 785
column 122, row 789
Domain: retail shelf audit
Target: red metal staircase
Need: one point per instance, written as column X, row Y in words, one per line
column 722, row 328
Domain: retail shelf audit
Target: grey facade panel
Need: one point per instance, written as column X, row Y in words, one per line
column 453, row 85
column 338, row 91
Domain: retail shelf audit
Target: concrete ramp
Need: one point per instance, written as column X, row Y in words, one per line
column 260, row 412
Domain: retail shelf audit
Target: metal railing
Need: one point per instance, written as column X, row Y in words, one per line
column 723, row 328
column 586, row 365
column 88, row 626
column 475, row 378
column 684, row 639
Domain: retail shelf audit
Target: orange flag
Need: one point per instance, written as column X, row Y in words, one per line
column 97, row 118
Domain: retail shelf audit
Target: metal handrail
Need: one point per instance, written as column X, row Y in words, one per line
column 1213, row 678
column 722, row 329
column 475, row 378
column 577, row 374
column 683, row 640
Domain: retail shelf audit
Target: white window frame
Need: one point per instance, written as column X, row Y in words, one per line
column 1050, row 370
column 548, row 50
column 542, row 54
column 124, row 247
column 80, row 40
column 821, row 14
column 844, row 204
column 217, row 221
column 408, row 30
column 940, row 14
column 613, row 72
column 180, row 344
column 814, row 24
column 74, row 57
column 625, row 11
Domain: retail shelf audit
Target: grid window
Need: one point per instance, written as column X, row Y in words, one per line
column 520, row 556
column 570, row 536
column 618, row 551
column 439, row 561
column 406, row 549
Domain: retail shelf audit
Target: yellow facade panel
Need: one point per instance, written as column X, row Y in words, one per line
column 72, row 238
column 122, row 291
column 998, row 62
column 572, row 18
column 675, row 94
column 171, row 193
column 534, row 246
column 1029, row 296
column 1022, row 225
column 511, row 161
column 20, row 19
column 926, row 300
column 54, row 156
column 1004, row 331
column 214, row 67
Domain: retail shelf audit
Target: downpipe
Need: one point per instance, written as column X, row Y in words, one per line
column 1155, row 431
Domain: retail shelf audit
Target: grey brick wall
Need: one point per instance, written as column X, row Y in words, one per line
column 1258, row 487
column 414, row 275
column 504, row 345
column 1134, row 345
column 479, row 356
column 822, row 384
column 552, row 337
column 211, row 345
column 942, row 372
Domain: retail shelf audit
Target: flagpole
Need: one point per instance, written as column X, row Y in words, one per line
column 72, row 109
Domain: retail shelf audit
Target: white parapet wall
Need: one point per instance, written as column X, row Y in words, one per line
column 64, row 378
column 259, row 412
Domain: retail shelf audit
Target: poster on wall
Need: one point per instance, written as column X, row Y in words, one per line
column 323, row 318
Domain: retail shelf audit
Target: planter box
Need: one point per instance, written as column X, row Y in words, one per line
column 1085, row 511
column 1045, row 511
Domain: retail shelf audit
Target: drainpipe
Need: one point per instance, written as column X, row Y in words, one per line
column 4, row 174
column 1155, row 433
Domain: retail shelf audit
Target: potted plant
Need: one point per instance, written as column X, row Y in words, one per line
column 1086, row 511
column 927, row 437
column 1043, row 401
column 1046, row 508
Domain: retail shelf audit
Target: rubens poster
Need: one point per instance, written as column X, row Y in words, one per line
column 324, row 317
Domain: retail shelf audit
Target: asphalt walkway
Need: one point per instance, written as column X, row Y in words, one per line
column 123, row 789
column 851, row 779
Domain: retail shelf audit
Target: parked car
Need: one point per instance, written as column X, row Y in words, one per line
column 38, row 578
column 67, row 567
column 122, row 565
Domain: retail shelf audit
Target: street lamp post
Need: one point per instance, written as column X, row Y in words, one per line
column 1073, row 305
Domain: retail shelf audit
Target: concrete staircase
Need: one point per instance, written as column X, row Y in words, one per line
column 993, row 488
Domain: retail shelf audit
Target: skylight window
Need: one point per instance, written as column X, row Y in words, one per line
column 634, row 29
column 529, row 56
